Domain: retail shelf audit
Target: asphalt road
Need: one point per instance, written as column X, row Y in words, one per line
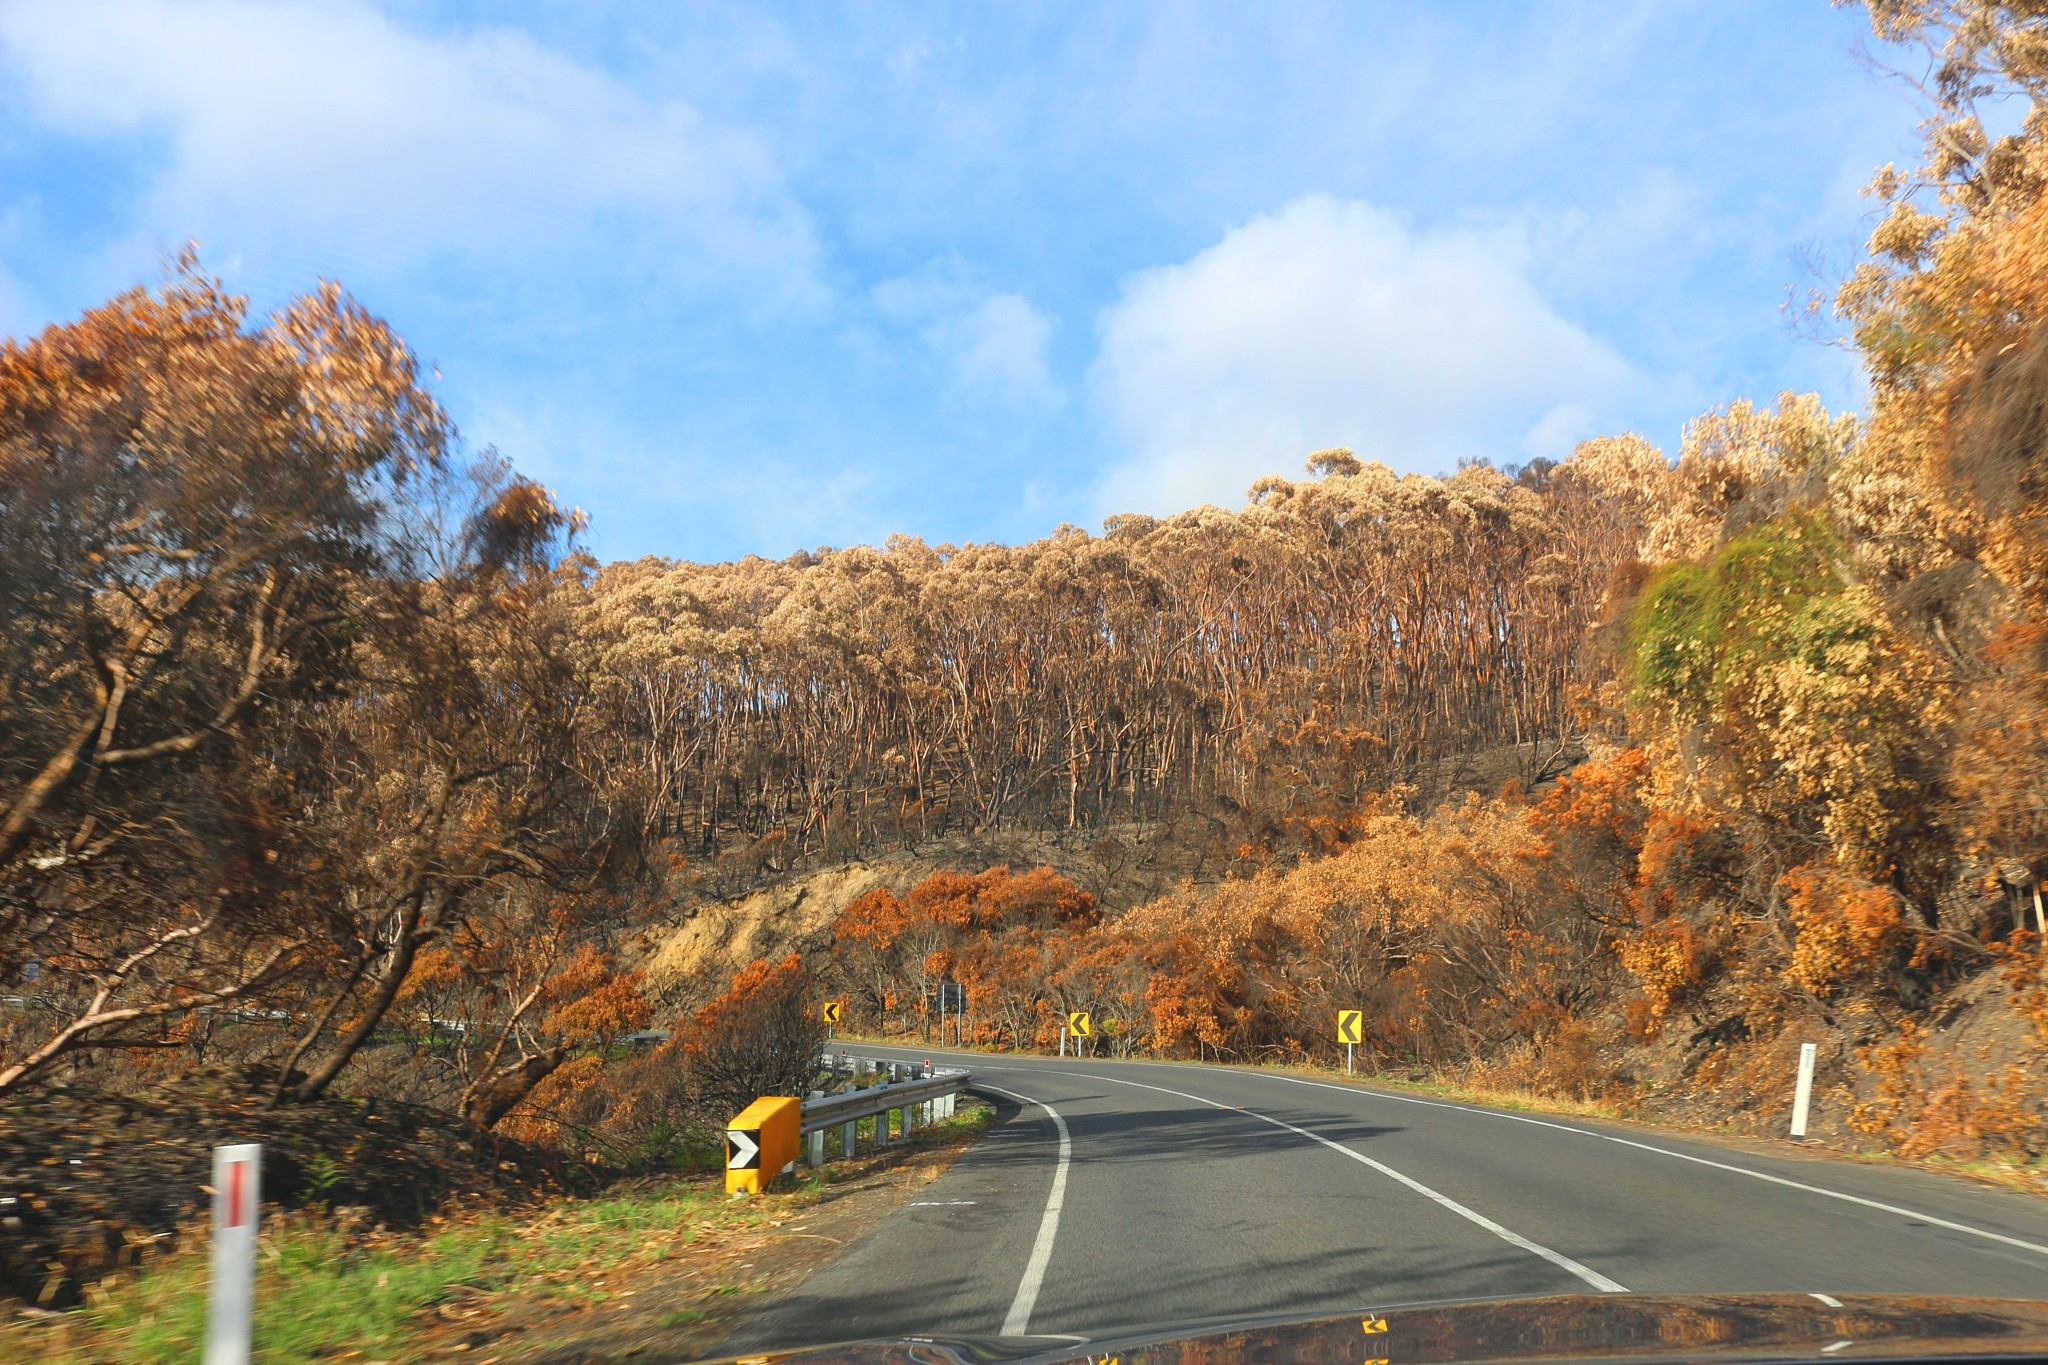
column 1117, row 1194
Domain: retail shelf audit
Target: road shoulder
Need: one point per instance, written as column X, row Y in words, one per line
column 696, row 1296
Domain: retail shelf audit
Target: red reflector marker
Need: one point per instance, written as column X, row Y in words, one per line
column 238, row 1193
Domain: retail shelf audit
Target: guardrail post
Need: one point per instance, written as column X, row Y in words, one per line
column 909, row 1121
column 849, row 1139
column 816, row 1155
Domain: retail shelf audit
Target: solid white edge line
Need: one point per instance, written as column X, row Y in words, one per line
column 1019, row 1319
column 1829, row 1299
column 1879, row 1205
column 1556, row 1258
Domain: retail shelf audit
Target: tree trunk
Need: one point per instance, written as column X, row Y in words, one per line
column 404, row 949
column 494, row 1095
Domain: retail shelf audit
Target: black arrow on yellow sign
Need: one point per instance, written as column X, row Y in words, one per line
column 1350, row 1026
column 1079, row 1024
column 742, row 1149
column 831, row 1011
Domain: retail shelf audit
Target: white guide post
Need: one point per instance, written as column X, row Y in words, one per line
column 1063, row 1040
column 1347, row 1057
column 231, row 1298
column 1802, row 1094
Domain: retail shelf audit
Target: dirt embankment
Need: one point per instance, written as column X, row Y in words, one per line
column 91, row 1183
column 1968, row 1083
column 1967, row 1086
column 720, row 937
column 1122, row 866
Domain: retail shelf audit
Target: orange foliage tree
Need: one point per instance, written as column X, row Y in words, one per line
column 1004, row 936
column 763, row 1036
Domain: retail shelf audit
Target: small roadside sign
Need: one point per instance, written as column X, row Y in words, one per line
column 761, row 1143
column 1350, row 1032
column 831, row 1011
column 1079, row 1024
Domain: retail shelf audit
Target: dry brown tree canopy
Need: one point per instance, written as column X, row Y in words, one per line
column 1279, row 663
column 285, row 690
column 189, row 508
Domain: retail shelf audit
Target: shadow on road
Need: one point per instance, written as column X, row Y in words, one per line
column 1180, row 1132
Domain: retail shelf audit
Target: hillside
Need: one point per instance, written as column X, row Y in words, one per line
column 332, row 765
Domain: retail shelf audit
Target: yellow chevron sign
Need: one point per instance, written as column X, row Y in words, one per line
column 1350, row 1026
column 831, row 1011
column 1079, row 1024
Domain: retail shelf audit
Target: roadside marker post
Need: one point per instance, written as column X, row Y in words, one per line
column 1802, row 1093
column 831, row 1017
column 1350, row 1032
column 231, row 1293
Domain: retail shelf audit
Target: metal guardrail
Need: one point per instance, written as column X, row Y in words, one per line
column 822, row 1110
column 912, row 1091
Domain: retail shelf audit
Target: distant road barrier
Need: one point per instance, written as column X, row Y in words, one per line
column 911, row 1092
column 914, row 1092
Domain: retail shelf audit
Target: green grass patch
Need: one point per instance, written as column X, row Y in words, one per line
column 320, row 1292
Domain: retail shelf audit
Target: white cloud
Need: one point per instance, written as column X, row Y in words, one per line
column 336, row 132
column 992, row 343
column 1330, row 323
column 1000, row 345
column 1555, row 433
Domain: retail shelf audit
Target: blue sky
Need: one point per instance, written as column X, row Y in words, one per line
column 755, row 278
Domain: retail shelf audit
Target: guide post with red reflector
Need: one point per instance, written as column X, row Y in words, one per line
column 231, row 1297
